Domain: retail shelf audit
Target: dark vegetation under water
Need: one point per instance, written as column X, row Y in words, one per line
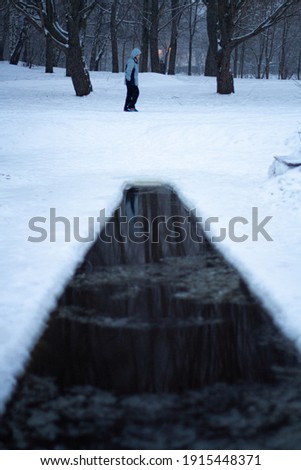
column 157, row 345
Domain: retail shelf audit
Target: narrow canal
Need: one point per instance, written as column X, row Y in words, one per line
column 157, row 343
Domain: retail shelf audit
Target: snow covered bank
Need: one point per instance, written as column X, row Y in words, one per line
column 75, row 155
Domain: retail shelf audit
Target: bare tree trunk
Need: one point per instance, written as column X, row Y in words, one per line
column 145, row 36
column 267, row 62
column 269, row 50
column 123, row 63
column 100, row 54
column 114, row 42
column 173, row 37
column 262, row 48
column 212, row 29
column 154, row 56
column 242, row 59
column 235, row 62
column 15, row 57
column 192, row 21
column 190, row 42
column 27, row 53
column 283, row 72
column 76, row 63
column 49, row 55
column 190, row 56
column 93, row 64
column 225, row 82
column 299, row 66
column 259, row 67
column 5, row 29
column 94, row 60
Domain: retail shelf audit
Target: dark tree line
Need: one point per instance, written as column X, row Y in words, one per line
column 221, row 38
column 42, row 15
column 233, row 22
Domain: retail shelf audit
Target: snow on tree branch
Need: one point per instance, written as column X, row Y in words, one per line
column 271, row 20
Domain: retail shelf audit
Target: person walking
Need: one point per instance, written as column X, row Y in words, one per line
column 131, row 80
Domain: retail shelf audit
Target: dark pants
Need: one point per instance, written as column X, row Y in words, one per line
column 131, row 96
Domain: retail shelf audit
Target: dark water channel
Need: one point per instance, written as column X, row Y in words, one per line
column 157, row 343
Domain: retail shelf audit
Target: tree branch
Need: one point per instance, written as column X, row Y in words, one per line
column 88, row 9
column 46, row 22
column 274, row 18
column 20, row 6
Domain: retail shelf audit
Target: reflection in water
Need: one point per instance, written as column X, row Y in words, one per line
column 157, row 316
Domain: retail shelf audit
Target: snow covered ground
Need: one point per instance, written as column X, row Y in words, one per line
column 76, row 154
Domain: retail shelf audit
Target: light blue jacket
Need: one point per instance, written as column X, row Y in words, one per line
column 132, row 67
